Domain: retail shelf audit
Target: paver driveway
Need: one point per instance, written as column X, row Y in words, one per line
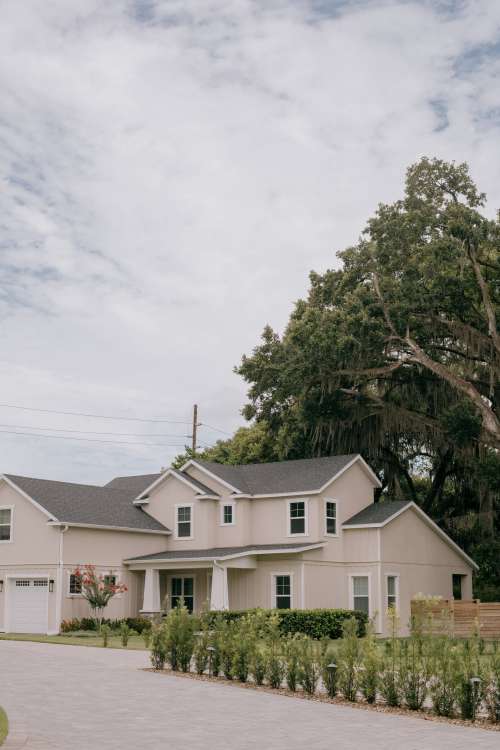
column 77, row 698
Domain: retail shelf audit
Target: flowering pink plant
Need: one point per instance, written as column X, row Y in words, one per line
column 97, row 589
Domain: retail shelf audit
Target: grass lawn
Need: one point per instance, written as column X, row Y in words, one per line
column 79, row 638
column 4, row 726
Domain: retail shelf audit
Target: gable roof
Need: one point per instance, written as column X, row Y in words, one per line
column 378, row 515
column 85, row 504
column 281, row 477
column 201, row 489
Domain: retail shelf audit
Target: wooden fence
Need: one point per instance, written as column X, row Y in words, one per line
column 461, row 618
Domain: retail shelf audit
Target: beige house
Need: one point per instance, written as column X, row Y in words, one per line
column 298, row 534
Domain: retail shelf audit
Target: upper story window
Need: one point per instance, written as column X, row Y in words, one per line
column 227, row 514
column 331, row 517
column 5, row 524
column 297, row 517
column 184, row 522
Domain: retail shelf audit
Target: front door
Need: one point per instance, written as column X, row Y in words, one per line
column 183, row 588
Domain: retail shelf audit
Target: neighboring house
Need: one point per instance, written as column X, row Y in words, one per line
column 298, row 534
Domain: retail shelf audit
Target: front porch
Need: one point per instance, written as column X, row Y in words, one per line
column 215, row 579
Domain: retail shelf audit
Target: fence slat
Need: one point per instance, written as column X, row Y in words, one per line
column 463, row 616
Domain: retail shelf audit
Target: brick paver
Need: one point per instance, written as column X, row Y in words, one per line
column 77, row 698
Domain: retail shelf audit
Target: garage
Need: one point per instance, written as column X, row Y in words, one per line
column 28, row 605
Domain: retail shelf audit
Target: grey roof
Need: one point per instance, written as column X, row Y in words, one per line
column 87, row 504
column 202, row 487
column 376, row 513
column 217, row 552
column 134, row 485
column 281, row 476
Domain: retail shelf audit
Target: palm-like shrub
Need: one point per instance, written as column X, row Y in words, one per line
column 309, row 665
column 349, row 658
column 370, row 667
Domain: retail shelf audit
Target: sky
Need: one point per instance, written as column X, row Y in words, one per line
column 170, row 173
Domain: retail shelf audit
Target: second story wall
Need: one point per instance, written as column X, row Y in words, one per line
column 33, row 542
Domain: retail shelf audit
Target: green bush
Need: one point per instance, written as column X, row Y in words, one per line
column 309, row 665
column 349, row 656
column 292, row 647
column 105, row 632
column 180, row 628
column 316, row 623
column 158, row 646
column 139, row 624
column 370, row 669
column 493, row 692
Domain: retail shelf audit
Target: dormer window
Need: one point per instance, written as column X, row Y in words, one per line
column 227, row 514
column 184, row 522
column 297, row 518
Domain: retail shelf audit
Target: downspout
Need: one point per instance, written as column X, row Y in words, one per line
column 60, row 578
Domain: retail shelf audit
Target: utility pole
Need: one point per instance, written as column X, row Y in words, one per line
column 195, row 428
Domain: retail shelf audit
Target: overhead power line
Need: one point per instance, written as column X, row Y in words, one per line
column 93, row 416
column 97, row 432
column 94, row 440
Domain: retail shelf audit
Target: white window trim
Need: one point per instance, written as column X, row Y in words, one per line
column 361, row 574
column 113, row 572
column 169, row 587
column 273, row 587
column 11, row 508
column 69, row 595
column 304, row 500
column 386, row 592
column 336, row 502
column 176, row 525
column 221, row 516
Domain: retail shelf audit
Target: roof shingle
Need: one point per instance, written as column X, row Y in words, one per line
column 218, row 552
column 377, row 513
column 87, row 504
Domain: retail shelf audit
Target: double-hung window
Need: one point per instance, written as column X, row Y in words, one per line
column 297, row 520
column 283, row 591
column 5, row 524
column 360, row 594
column 75, row 585
column 227, row 515
column 184, row 521
column 392, row 592
column 331, row 517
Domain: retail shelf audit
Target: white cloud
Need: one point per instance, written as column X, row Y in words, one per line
column 172, row 170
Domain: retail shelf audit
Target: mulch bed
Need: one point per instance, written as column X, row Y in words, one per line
column 425, row 714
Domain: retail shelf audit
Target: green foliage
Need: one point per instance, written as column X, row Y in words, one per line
column 444, row 679
column 413, row 673
column 349, row 656
column 275, row 666
column 139, row 624
column 245, row 639
column 493, row 691
column 258, row 666
column 309, row 665
column 105, row 633
column 389, row 678
column 226, row 647
column 158, row 645
column 125, row 633
column 371, row 666
column 329, row 669
column 146, row 637
column 316, row 623
column 249, row 445
column 180, row 628
column 470, row 680
column 201, row 653
column 292, row 648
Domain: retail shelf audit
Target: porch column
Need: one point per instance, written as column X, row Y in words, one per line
column 151, row 602
column 219, row 595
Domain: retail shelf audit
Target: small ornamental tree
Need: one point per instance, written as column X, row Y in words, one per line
column 97, row 589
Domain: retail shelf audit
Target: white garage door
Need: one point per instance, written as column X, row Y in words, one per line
column 28, row 605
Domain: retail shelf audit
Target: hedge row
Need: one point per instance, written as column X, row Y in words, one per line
column 139, row 624
column 316, row 623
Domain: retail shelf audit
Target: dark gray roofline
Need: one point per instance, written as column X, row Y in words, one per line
column 219, row 553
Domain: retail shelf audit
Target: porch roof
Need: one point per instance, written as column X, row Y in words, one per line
column 220, row 553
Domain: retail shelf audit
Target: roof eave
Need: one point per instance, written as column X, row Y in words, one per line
column 165, row 532
column 250, row 552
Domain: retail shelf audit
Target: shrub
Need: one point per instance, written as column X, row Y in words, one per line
column 317, row 623
column 201, row 653
column 226, row 648
column 258, row 666
column 444, row 677
column 413, row 673
column 493, row 692
column 329, row 669
column 309, row 665
column 244, row 645
column 105, row 631
column 125, row 633
column 146, row 637
column 275, row 667
column 370, row 669
column 469, row 680
column 158, row 646
column 70, row 626
column 180, row 629
column 292, row 647
column 389, row 677
column 349, row 656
